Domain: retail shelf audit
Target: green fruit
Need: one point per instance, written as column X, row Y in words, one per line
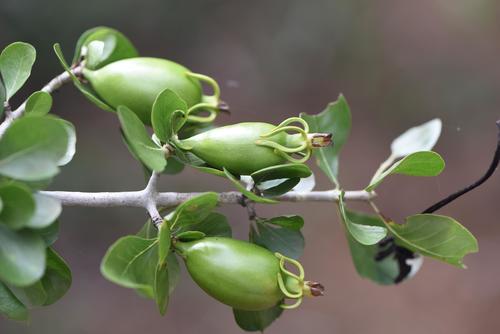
column 136, row 82
column 241, row 274
column 234, row 147
column 245, row 148
column 101, row 46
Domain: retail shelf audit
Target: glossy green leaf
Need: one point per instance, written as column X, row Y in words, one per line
column 256, row 321
column 362, row 233
column 214, row 225
column 71, row 147
column 18, row 205
column 50, row 233
column 85, row 90
column 174, row 166
column 165, row 124
column 290, row 222
column 173, row 272
column 164, row 241
column 33, row 147
column 335, row 119
column 275, row 188
column 161, row 287
column 419, row 138
column 250, row 195
column 54, row 284
column 16, row 61
column 148, row 231
column 210, row 170
column 363, row 256
column 286, row 171
column 425, row 163
column 10, row 306
column 278, row 238
column 110, row 45
column 439, row 237
column 190, row 236
column 193, row 211
column 131, row 262
column 47, row 209
column 38, row 104
column 140, row 143
column 22, row 257
column 2, row 96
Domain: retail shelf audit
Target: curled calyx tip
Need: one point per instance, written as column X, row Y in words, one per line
column 313, row 289
column 320, row 139
column 293, row 285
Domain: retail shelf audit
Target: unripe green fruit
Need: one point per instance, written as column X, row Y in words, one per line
column 135, row 83
column 235, row 147
column 238, row 273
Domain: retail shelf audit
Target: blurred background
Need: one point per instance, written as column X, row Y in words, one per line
column 399, row 64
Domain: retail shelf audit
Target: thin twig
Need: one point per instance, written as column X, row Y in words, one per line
column 50, row 87
column 491, row 169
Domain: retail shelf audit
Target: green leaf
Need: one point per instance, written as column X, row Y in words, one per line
column 50, row 233
column 113, row 46
column 193, row 211
column 419, row 138
column 33, row 147
column 10, row 306
column 57, row 279
column 85, row 90
column 71, row 147
column 164, row 242
column 286, row 171
column 279, row 238
column 131, row 262
column 173, row 272
column 425, row 163
column 161, row 287
column 214, row 225
column 275, row 188
column 174, row 166
column 38, row 104
column 18, row 205
column 291, row 222
column 16, row 61
column 250, row 195
column 2, row 96
column 335, row 119
column 22, row 257
column 54, row 284
column 362, row 233
column 439, row 237
column 363, row 256
column 148, row 231
column 210, row 170
column 47, row 209
column 165, row 124
column 190, row 236
column 140, row 143
column 255, row 321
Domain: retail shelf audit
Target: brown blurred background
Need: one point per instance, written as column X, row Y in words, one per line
column 399, row 64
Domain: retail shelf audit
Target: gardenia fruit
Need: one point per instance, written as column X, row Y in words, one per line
column 136, row 82
column 243, row 275
column 245, row 148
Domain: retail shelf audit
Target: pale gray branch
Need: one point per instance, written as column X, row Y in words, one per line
column 169, row 199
